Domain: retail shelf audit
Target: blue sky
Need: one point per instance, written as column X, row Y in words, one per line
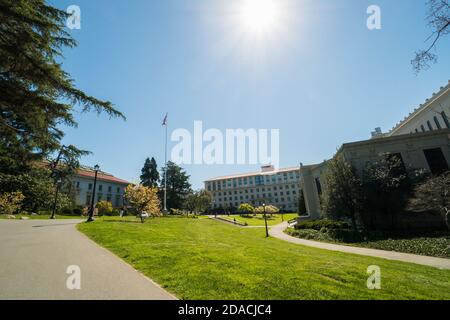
column 319, row 75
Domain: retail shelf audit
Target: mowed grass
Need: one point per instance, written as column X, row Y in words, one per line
column 258, row 220
column 207, row 259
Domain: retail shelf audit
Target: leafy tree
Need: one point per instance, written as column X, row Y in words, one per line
column 434, row 194
column 343, row 198
column 438, row 18
column 150, row 174
column 178, row 186
column 36, row 185
column 198, row 202
column 267, row 209
column 105, row 208
column 143, row 200
column 37, row 95
column 246, row 209
column 10, row 203
column 388, row 186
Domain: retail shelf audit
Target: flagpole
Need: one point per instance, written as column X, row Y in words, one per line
column 165, row 171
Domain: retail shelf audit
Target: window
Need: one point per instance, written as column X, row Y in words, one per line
column 90, row 186
column 88, row 199
column 78, row 184
column 438, row 125
column 109, row 189
column 436, row 160
column 423, row 128
column 118, row 190
column 429, row 126
column 117, row 201
column 100, row 188
column 445, row 118
column 318, row 186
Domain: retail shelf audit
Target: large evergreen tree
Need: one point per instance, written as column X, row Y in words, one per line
column 178, row 186
column 37, row 96
column 150, row 174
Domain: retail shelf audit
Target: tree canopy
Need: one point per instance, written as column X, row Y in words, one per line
column 178, row 186
column 37, row 97
column 150, row 174
column 438, row 19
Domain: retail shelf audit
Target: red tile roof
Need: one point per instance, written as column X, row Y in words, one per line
column 101, row 176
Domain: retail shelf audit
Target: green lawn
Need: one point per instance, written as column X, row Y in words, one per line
column 258, row 220
column 207, row 259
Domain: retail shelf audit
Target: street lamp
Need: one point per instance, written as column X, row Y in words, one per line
column 265, row 220
column 91, row 210
column 58, row 184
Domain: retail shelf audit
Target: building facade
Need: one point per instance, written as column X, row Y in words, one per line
column 421, row 141
column 109, row 188
column 278, row 187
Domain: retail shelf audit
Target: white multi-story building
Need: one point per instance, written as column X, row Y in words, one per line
column 109, row 188
column 278, row 187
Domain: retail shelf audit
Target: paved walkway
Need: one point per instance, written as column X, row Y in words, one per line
column 35, row 254
column 441, row 263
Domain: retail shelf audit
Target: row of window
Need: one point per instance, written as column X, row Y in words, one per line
column 100, row 187
column 109, row 198
column 258, row 190
column 438, row 125
column 252, row 181
column 269, row 197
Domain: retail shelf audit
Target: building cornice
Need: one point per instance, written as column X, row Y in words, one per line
column 420, row 109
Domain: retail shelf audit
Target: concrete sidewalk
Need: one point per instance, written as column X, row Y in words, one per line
column 441, row 263
column 35, row 254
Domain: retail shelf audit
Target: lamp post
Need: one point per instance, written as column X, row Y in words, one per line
column 58, row 184
column 91, row 210
column 265, row 220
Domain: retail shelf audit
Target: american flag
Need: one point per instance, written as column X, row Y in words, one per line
column 165, row 120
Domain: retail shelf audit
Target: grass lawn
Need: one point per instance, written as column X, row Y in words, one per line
column 207, row 259
column 39, row 217
column 258, row 220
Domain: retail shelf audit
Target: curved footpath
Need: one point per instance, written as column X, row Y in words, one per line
column 440, row 263
column 35, row 255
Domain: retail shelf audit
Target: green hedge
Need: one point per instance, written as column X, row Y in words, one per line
column 435, row 244
column 321, row 224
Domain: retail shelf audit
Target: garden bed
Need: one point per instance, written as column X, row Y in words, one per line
column 436, row 243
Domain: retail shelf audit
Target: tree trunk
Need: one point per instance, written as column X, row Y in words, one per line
column 354, row 222
column 447, row 218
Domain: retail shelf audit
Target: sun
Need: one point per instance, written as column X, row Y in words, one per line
column 259, row 15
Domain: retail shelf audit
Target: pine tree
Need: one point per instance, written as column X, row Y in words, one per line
column 178, row 186
column 150, row 174
column 36, row 95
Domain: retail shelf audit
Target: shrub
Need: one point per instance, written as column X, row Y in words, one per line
column 67, row 211
column 105, row 208
column 11, row 202
column 78, row 211
column 322, row 224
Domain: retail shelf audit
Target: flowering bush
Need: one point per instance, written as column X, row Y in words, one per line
column 11, row 202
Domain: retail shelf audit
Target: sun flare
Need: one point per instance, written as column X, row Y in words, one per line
column 259, row 15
